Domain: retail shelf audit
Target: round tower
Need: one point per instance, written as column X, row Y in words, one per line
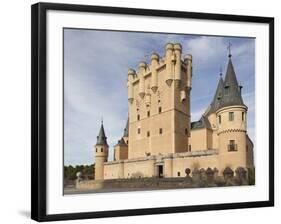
column 101, row 154
column 232, row 123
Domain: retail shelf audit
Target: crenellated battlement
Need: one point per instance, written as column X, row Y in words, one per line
column 176, row 68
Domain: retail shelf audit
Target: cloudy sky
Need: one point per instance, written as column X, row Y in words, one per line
column 95, row 73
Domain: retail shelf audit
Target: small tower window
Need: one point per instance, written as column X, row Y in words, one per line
column 185, row 131
column 148, row 113
column 127, row 142
column 232, row 146
column 160, row 131
column 179, row 174
column 189, row 148
column 148, row 134
column 219, row 119
column 159, row 110
column 96, row 149
column 226, row 90
column 231, row 116
column 138, row 117
column 101, row 149
column 243, row 116
column 138, row 130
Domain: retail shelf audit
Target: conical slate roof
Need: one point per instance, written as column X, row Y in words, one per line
column 217, row 97
column 121, row 142
column 232, row 91
column 126, row 130
column 101, row 138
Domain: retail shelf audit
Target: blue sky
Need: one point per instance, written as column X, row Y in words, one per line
column 95, row 73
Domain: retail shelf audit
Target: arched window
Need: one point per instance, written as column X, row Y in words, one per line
column 101, row 149
column 138, row 117
column 159, row 110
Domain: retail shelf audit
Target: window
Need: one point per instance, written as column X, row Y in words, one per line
column 148, row 113
column 160, row 131
column 138, row 130
column 243, row 116
column 189, row 148
column 226, row 90
column 179, row 174
column 185, row 131
column 148, row 134
column 219, row 119
column 232, row 146
column 138, row 117
column 231, row 116
column 101, row 149
column 96, row 149
column 159, row 110
column 127, row 142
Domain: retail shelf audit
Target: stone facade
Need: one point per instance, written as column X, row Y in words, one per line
column 160, row 140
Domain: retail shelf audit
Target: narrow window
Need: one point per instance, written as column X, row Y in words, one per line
column 160, row 131
column 179, row 174
column 185, row 131
column 101, row 149
column 159, row 110
column 148, row 134
column 148, row 113
column 243, row 116
column 138, row 130
column 96, row 149
column 138, row 117
column 231, row 116
column 226, row 90
column 127, row 142
column 232, row 146
column 219, row 119
column 189, row 148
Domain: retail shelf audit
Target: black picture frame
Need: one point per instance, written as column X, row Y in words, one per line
column 39, row 107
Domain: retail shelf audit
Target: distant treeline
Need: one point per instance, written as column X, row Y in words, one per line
column 86, row 170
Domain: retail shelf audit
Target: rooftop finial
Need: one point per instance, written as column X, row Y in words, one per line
column 229, row 49
column 101, row 120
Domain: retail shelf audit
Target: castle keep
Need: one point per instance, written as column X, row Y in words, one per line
column 160, row 140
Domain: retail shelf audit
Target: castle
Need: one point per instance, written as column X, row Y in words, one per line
column 160, row 140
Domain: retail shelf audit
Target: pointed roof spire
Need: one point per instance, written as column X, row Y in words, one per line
column 217, row 97
column 229, row 49
column 101, row 138
column 232, row 91
column 126, row 129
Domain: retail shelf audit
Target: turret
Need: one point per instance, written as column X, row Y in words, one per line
column 101, row 154
column 142, row 66
column 154, row 75
column 177, row 62
column 188, row 63
column 232, row 122
column 131, row 74
column 169, row 59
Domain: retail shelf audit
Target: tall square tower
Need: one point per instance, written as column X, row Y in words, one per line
column 159, row 104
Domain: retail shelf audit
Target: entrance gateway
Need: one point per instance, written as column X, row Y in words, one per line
column 159, row 171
